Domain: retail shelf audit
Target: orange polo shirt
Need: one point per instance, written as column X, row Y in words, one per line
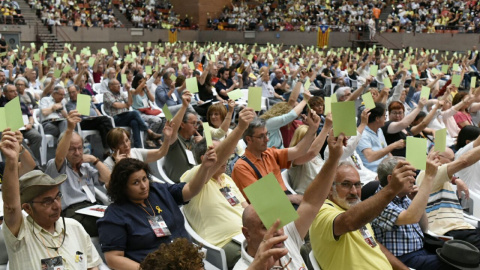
column 273, row 160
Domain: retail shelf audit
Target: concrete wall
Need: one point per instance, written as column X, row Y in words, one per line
column 102, row 38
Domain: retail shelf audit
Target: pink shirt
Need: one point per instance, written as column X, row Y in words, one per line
column 461, row 117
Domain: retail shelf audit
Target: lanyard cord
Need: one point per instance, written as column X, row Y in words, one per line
column 43, row 239
column 146, row 210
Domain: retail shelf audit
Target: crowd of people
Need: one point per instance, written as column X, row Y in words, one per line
column 76, row 13
column 133, row 91
column 304, row 16
column 346, row 16
column 154, row 14
column 10, row 13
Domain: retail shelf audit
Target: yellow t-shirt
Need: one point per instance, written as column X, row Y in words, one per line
column 210, row 214
column 349, row 251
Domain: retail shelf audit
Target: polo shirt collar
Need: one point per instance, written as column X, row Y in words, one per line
column 58, row 227
column 251, row 156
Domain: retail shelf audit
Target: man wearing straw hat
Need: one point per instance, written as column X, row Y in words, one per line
column 41, row 238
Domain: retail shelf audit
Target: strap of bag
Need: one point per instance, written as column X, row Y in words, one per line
column 257, row 172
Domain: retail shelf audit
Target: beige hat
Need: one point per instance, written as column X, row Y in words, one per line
column 35, row 183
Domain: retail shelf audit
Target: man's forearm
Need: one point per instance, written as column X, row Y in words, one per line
column 364, row 212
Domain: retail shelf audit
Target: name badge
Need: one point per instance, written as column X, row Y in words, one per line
column 190, row 157
column 368, row 237
column 174, row 97
column 89, row 193
column 355, row 161
column 228, row 194
column 55, row 263
column 159, row 226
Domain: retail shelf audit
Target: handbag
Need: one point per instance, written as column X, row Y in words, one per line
column 150, row 111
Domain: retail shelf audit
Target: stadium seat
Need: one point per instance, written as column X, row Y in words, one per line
column 47, row 139
column 215, row 255
column 163, row 175
column 285, row 181
column 126, row 128
column 84, row 133
column 313, row 261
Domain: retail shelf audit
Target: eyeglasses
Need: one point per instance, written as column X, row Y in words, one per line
column 261, row 137
column 18, row 84
column 73, row 149
column 348, row 185
column 397, row 113
column 47, row 202
column 195, row 124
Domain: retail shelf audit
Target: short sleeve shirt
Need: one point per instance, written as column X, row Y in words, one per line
column 374, row 141
column 125, row 226
column 273, row 160
column 72, row 188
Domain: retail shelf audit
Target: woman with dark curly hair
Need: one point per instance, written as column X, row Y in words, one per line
column 144, row 214
column 180, row 254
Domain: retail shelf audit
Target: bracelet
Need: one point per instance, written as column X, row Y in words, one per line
column 96, row 161
column 21, row 151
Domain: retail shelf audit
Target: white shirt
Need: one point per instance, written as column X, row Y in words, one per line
column 470, row 174
column 27, row 250
column 293, row 244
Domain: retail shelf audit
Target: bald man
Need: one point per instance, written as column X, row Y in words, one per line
column 78, row 190
column 254, row 230
column 444, row 212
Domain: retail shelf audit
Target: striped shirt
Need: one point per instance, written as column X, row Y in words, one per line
column 444, row 211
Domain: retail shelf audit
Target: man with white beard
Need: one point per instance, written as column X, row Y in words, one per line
column 341, row 235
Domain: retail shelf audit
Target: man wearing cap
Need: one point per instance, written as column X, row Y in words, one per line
column 41, row 237
column 78, row 191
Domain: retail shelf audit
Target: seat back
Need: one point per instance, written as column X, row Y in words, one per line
column 313, row 261
column 163, row 175
column 215, row 255
column 285, row 181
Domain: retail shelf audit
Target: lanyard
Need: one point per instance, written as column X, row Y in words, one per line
column 156, row 207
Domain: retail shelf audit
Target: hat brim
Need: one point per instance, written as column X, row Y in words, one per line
column 31, row 192
column 454, row 265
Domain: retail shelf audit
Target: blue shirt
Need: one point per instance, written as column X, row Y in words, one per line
column 398, row 239
column 125, row 226
column 161, row 97
column 375, row 141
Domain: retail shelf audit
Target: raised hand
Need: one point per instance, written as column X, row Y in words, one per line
column 9, row 145
column 210, row 157
column 266, row 255
column 231, row 105
column 245, row 117
column 168, row 130
column 432, row 164
column 364, row 116
column 422, row 102
column 117, row 156
column 399, row 144
column 335, row 144
column 73, row 118
column 186, row 97
column 402, row 176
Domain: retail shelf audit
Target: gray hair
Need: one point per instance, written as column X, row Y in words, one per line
column 256, row 123
column 57, row 88
column 47, row 81
column 341, row 91
column 73, row 134
column 187, row 115
column 199, row 149
column 385, row 168
column 343, row 164
column 23, row 79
